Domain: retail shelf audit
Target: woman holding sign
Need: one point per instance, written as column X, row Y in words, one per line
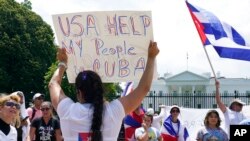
column 92, row 117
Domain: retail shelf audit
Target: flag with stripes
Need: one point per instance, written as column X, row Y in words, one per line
column 131, row 122
column 128, row 88
column 84, row 137
column 169, row 133
column 225, row 39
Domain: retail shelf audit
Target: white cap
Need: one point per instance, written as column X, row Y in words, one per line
column 150, row 111
column 38, row 95
column 174, row 106
column 236, row 100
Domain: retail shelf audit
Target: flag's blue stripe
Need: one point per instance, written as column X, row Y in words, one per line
column 215, row 25
column 126, row 89
column 207, row 42
column 233, row 53
column 207, row 28
column 129, row 120
column 186, row 135
column 169, row 127
column 211, row 29
column 237, row 37
column 192, row 8
column 79, row 137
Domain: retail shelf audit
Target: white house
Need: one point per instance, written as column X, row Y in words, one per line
column 191, row 84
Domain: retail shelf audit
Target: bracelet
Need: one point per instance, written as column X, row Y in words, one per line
column 62, row 64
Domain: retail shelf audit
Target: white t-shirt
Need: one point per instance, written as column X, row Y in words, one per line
column 12, row 136
column 153, row 133
column 232, row 118
column 175, row 126
column 76, row 119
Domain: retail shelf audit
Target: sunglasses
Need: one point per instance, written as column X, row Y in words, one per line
column 45, row 109
column 40, row 98
column 175, row 111
column 11, row 104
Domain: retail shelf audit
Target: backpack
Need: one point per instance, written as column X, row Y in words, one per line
column 33, row 113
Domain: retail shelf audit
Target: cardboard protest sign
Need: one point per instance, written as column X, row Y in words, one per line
column 112, row 43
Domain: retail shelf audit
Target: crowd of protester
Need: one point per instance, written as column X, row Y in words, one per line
column 93, row 118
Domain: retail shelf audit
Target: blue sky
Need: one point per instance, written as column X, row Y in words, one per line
column 173, row 29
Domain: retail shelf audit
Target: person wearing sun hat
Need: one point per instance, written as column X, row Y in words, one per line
column 233, row 114
column 173, row 129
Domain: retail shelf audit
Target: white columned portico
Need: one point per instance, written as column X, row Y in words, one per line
column 180, row 91
column 193, row 88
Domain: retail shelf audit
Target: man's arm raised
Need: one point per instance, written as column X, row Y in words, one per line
column 217, row 96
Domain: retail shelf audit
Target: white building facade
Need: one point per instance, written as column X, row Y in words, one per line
column 194, row 85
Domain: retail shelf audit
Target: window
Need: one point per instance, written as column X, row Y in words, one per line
column 198, row 92
column 187, row 104
column 225, row 93
column 150, row 93
column 150, row 105
column 199, row 106
column 214, row 92
column 174, row 93
column 160, row 93
column 214, row 105
column 248, row 93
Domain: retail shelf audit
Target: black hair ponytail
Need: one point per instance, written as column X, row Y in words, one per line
column 90, row 84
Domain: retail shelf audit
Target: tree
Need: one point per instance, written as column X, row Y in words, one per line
column 27, row 4
column 27, row 52
column 27, row 48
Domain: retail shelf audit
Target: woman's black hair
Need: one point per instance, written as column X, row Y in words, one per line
column 90, row 84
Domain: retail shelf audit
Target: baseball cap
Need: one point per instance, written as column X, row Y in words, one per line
column 38, row 95
column 150, row 111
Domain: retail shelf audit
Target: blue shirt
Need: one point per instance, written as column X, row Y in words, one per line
column 207, row 134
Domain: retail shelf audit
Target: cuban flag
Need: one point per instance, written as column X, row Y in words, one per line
column 168, row 132
column 225, row 39
column 131, row 122
column 84, row 137
column 128, row 88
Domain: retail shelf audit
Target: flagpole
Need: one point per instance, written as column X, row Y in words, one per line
column 203, row 37
column 209, row 61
